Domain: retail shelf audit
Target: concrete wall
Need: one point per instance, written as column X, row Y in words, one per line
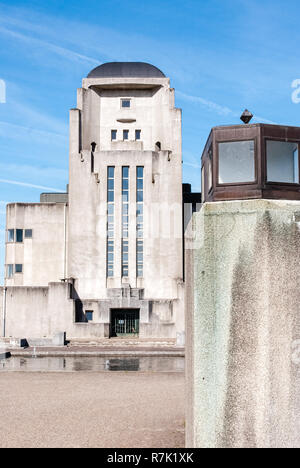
column 243, row 324
column 44, row 256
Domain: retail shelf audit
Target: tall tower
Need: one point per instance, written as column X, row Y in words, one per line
column 106, row 258
column 125, row 200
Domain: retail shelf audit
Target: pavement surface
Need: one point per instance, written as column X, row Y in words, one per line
column 85, row 410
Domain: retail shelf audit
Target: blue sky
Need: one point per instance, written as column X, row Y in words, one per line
column 221, row 56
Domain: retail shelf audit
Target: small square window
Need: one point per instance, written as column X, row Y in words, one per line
column 125, row 103
column 19, row 268
column 125, row 134
column 113, row 135
column 19, row 235
column 10, row 271
column 89, row 315
column 11, row 235
column 28, row 233
column 138, row 134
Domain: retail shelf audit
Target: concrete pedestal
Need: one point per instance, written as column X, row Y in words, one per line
column 243, row 325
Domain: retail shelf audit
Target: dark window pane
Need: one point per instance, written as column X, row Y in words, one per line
column 28, row 233
column 111, row 172
column 138, row 134
column 19, row 235
column 125, row 172
column 19, row 268
column 125, row 134
column 114, row 134
column 111, row 196
column 140, row 172
column 111, row 184
column 126, row 103
column 89, row 315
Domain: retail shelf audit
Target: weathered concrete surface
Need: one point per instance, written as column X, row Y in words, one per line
column 92, row 410
column 243, row 323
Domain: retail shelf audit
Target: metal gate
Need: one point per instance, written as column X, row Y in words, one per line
column 125, row 322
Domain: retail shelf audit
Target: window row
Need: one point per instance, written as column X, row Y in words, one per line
column 125, row 188
column 126, row 133
column 125, row 220
column 18, row 235
column 12, row 269
column 237, row 162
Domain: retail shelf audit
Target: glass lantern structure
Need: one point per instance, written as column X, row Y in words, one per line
column 251, row 161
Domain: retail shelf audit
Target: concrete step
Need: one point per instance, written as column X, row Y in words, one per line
column 123, row 342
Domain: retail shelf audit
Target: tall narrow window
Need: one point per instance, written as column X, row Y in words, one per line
column 113, row 135
column 140, row 221
column 125, row 135
column 125, row 219
column 138, row 135
column 110, row 220
column 10, row 271
column 19, row 235
column 11, row 235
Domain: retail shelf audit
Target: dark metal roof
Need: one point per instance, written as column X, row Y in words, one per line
column 126, row 70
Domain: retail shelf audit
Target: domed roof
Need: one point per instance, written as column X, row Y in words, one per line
column 126, row 70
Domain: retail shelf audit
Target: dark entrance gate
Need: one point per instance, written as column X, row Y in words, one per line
column 124, row 322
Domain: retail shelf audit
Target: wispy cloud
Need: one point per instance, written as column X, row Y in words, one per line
column 15, row 131
column 62, row 51
column 25, row 184
column 221, row 110
column 217, row 108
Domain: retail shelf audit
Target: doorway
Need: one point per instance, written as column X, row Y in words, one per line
column 124, row 323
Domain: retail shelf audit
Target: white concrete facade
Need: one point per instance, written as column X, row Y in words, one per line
column 70, row 242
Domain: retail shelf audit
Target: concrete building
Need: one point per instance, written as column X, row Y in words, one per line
column 106, row 258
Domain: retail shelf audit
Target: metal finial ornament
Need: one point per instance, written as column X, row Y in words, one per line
column 246, row 116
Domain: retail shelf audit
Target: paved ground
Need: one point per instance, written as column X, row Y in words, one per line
column 92, row 410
